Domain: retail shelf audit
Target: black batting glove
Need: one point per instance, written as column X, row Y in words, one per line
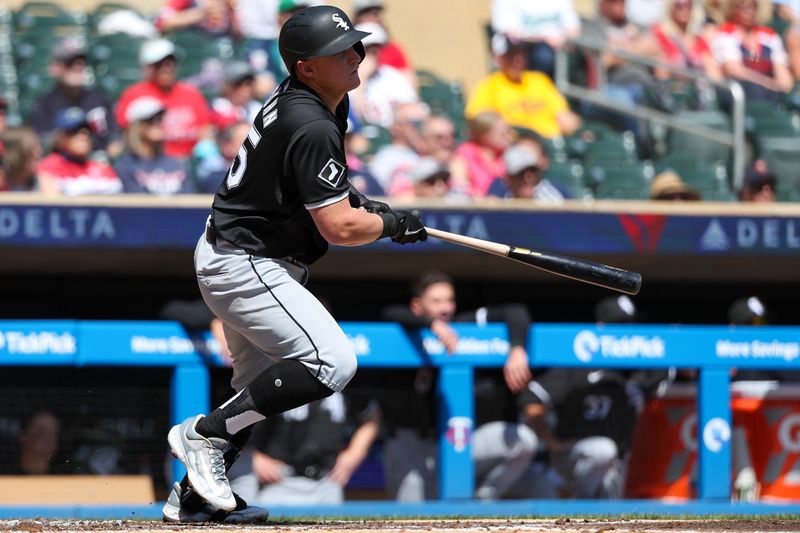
column 375, row 207
column 403, row 226
column 360, row 201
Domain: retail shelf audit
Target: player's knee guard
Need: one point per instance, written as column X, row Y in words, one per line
column 284, row 386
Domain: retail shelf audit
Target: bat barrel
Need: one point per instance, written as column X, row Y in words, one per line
column 581, row 270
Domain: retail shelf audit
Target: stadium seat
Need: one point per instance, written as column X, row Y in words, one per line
column 783, row 195
column 598, row 142
column 194, row 49
column 557, row 148
column 590, row 131
column 113, row 83
column 377, row 136
column 569, row 175
column 782, row 155
column 34, row 82
column 118, row 48
column 39, row 18
column 445, row 98
column 767, row 118
column 697, row 147
column 625, row 182
column 710, row 178
column 37, row 47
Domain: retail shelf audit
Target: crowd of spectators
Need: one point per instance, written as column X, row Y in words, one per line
column 168, row 133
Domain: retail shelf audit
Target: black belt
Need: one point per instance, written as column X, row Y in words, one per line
column 211, row 234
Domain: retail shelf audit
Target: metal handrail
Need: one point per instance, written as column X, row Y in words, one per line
column 734, row 139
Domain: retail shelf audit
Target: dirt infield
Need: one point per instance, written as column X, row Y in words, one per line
column 562, row 525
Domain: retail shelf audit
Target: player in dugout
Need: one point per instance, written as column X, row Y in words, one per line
column 503, row 449
column 585, row 416
column 285, row 197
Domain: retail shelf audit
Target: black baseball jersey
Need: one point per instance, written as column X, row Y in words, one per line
column 586, row 403
column 292, row 160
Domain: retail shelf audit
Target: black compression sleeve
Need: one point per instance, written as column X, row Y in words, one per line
column 516, row 317
column 403, row 316
column 356, row 198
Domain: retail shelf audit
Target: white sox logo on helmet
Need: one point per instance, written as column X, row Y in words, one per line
column 339, row 22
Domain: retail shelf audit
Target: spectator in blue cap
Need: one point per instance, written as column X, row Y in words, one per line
column 759, row 185
column 70, row 168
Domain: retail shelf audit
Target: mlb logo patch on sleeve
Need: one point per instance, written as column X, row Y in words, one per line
column 332, row 171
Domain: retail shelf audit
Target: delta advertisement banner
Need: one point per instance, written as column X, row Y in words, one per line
column 563, row 231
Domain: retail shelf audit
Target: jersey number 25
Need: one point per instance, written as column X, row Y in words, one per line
column 239, row 164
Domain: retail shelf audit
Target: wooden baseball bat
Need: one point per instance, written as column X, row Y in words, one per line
column 578, row 269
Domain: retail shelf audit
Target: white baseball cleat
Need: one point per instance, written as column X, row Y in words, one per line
column 204, row 461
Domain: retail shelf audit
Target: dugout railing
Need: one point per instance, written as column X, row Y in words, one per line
column 712, row 350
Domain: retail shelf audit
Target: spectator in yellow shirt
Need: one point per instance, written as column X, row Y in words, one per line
column 524, row 98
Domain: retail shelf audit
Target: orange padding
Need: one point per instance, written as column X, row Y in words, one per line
column 663, row 457
column 65, row 490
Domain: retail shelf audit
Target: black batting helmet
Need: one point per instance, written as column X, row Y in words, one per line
column 318, row 31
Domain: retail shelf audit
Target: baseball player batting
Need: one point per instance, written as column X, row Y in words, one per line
column 285, row 197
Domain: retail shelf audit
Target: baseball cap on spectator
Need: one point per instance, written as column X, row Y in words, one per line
column 155, row 50
column 359, row 6
column 238, row 71
column 749, row 311
column 377, row 35
column 616, row 310
column 69, row 49
column 428, row 168
column 755, row 179
column 70, row 120
column 143, row 108
column 670, row 186
column 518, row 158
column 503, row 44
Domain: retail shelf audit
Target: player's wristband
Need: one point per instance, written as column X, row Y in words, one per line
column 390, row 223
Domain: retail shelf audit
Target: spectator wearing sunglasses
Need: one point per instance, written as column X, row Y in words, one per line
column 752, row 54
column 680, row 38
column 69, row 70
column 143, row 167
column 187, row 118
column 670, row 186
column 70, row 169
column 237, row 103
